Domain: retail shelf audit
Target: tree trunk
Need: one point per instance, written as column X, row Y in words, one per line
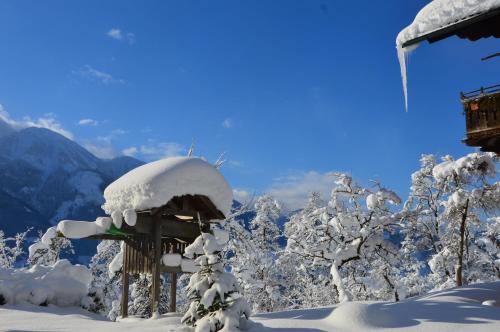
column 461, row 248
column 337, row 281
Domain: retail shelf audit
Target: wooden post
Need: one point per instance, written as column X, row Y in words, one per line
column 173, row 292
column 124, row 304
column 155, row 294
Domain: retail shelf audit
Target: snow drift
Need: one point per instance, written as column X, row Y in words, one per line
column 62, row 284
column 470, row 308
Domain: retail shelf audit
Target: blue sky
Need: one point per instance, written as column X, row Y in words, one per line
column 290, row 90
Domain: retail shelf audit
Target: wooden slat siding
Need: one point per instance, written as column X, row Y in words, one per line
column 125, row 284
column 138, row 260
column 139, row 257
column 173, row 292
column 156, row 263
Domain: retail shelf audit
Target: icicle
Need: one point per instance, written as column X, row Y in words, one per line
column 402, row 57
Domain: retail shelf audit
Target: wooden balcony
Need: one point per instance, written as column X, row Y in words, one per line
column 482, row 118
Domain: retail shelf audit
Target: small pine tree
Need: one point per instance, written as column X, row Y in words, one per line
column 216, row 304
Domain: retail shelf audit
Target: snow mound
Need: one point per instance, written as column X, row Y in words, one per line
column 468, row 308
column 62, row 284
column 491, row 303
column 172, row 259
column 73, row 229
column 154, row 184
column 358, row 316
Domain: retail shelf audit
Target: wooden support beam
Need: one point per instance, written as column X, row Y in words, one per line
column 173, row 292
column 169, row 227
column 155, row 294
column 125, row 284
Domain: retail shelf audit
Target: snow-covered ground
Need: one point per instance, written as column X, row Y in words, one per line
column 459, row 309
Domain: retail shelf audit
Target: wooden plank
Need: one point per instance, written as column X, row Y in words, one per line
column 173, row 292
column 171, row 269
column 125, row 284
column 156, row 265
column 180, row 229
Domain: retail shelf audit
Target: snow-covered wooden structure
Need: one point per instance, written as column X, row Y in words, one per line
column 467, row 19
column 482, row 117
column 157, row 210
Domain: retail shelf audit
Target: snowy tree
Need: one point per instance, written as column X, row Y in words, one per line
column 48, row 247
column 140, row 295
column 105, row 291
column 216, row 304
column 446, row 219
column 349, row 235
column 11, row 248
column 306, row 283
column 252, row 254
column 264, row 227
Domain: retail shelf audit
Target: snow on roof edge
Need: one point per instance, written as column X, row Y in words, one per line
column 436, row 15
column 154, row 184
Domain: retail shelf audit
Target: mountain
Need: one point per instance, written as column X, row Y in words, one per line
column 45, row 177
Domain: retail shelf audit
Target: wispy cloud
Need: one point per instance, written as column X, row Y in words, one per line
column 88, row 122
column 242, row 196
column 155, row 150
column 47, row 121
column 131, row 151
column 118, row 34
column 227, row 123
column 100, row 148
column 92, row 74
column 104, row 146
column 293, row 190
column 162, row 150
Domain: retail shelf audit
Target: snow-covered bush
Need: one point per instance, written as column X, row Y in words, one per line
column 61, row 284
column 216, row 304
column 11, row 248
column 48, row 247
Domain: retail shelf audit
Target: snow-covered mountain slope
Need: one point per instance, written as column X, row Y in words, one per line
column 457, row 310
column 45, row 177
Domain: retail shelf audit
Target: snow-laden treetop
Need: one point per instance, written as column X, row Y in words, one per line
column 437, row 15
column 153, row 185
column 441, row 13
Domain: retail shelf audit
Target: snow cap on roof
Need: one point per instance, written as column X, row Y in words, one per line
column 154, row 184
column 436, row 15
column 441, row 13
